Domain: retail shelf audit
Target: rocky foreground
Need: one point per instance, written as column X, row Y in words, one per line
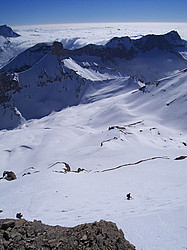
column 22, row 234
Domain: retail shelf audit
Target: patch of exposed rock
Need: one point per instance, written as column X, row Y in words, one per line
column 182, row 157
column 7, row 31
column 9, row 175
column 22, row 234
column 57, row 49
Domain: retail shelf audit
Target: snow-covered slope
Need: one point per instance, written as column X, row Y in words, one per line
column 148, row 58
column 49, row 78
column 121, row 146
column 112, row 134
column 41, row 90
column 166, row 99
column 27, row 58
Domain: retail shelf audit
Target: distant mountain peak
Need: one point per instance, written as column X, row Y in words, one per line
column 125, row 47
column 7, row 31
column 173, row 37
column 123, row 42
column 162, row 42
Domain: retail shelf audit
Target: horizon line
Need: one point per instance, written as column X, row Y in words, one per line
column 74, row 23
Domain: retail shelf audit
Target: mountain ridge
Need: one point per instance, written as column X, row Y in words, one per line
column 47, row 78
column 123, row 47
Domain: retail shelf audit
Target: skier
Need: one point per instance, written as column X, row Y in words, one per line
column 19, row 215
column 128, row 196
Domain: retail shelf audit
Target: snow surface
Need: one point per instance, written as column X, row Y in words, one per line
column 148, row 130
column 88, row 74
column 154, row 219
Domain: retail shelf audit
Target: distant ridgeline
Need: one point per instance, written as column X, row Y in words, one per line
column 7, row 31
column 117, row 47
column 48, row 77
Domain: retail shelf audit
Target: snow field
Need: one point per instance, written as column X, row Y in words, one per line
column 154, row 219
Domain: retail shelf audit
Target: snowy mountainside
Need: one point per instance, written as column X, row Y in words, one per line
column 113, row 145
column 167, row 99
column 49, row 77
column 90, row 131
column 148, row 58
column 45, row 87
column 27, row 58
column 6, row 52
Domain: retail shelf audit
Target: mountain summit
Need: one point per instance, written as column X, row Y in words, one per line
column 6, row 31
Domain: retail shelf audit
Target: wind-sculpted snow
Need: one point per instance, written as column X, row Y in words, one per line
column 87, row 72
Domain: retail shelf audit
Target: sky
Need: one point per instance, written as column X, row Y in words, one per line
column 28, row 12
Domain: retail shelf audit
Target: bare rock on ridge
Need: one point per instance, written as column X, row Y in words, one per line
column 57, row 48
column 22, row 234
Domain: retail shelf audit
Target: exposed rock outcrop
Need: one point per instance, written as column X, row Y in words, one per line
column 182, row 157
column 9, row 175
column 57, row 49
column 21, row 234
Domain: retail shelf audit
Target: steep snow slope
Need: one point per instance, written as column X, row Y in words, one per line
column 155, row 55
column 49, row 85
column 27, row 58
column 87, row 72
column 122, row 143
column 172, row 95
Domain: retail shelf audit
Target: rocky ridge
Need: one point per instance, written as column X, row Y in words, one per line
column 22, row 234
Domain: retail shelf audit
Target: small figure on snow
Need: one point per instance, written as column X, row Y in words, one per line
column 19, row 215
column 129, row 196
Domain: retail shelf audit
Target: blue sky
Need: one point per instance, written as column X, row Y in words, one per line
column 25, row 12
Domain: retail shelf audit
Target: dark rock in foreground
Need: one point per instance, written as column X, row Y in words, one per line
column 22, row 234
